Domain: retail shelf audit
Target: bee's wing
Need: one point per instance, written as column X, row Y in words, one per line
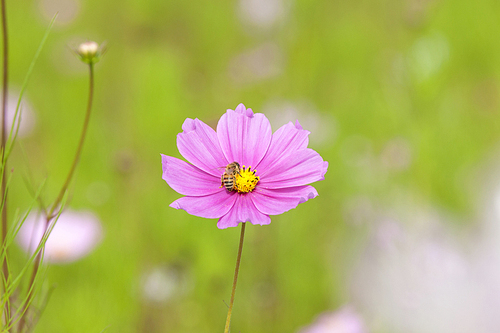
column 218, row 168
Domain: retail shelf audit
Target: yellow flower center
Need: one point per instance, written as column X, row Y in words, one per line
column 246, row 180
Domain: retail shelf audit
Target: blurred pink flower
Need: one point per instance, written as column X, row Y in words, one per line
column 281, row 167
column 26, row 115
column 415, row 276
column 73, row 237
column 345, row 320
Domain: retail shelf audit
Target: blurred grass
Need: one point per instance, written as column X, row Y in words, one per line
column 360, row 62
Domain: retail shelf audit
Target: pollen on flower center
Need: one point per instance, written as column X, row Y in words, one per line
column 245, row 180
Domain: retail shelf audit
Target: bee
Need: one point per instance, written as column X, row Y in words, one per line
column 227, row 179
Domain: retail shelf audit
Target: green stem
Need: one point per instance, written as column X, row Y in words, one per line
column 80, row 145
column 50, row 216
column 236, row 270
column 5, row 89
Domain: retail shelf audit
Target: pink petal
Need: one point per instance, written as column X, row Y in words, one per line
column 242, row 110
column 297, row 125
column 187, row 179
column 244, row 136
column 300, row 168
column 285, row 141
column 278, row 201
column 209, row 206
column 198, row 143
column 243, row 211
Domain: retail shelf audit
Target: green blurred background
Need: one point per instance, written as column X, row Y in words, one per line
column 400, row 97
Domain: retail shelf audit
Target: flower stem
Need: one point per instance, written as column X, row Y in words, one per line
column 80, row 145
column 5, row 89
column 50, row 216
column 236, row 270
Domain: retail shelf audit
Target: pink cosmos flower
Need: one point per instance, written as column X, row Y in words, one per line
column 275, row 168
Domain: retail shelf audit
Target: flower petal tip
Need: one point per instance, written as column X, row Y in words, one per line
column 164, row 159
column 325, row 169
column 175, row 205
column 297, row 125
column 241, row 109
column 224, row 224
column 264, row 221
column 311, row 195
column 188, row 125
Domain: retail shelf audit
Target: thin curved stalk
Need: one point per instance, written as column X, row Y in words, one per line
column 80, row 145
column 5, row 89
column 236, row 271
column 50, row 216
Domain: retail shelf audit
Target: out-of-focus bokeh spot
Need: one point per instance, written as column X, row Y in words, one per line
column 261, row 13
column 344, row 320
column 25, row 118
column 66, row 10
column 358, row 210
column 396, row 155
column 73, row 236
column 98, row 193
column 260, row 63
column 428, row 55
column 322, row 126
column 163, row 283
column 420, row 273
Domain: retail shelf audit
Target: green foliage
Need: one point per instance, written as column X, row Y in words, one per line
column 377, row 70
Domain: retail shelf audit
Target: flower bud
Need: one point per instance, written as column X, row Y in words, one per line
column 89, row 52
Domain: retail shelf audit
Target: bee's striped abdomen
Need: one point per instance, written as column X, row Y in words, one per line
column 228, row 181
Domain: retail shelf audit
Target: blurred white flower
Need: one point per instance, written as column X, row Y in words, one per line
column 261, row 13
column 64, row 56
column 67, row 10
column 345, row 320
column 74, row 235
column 162, row 283
column 90, row 52
column 260, row 63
